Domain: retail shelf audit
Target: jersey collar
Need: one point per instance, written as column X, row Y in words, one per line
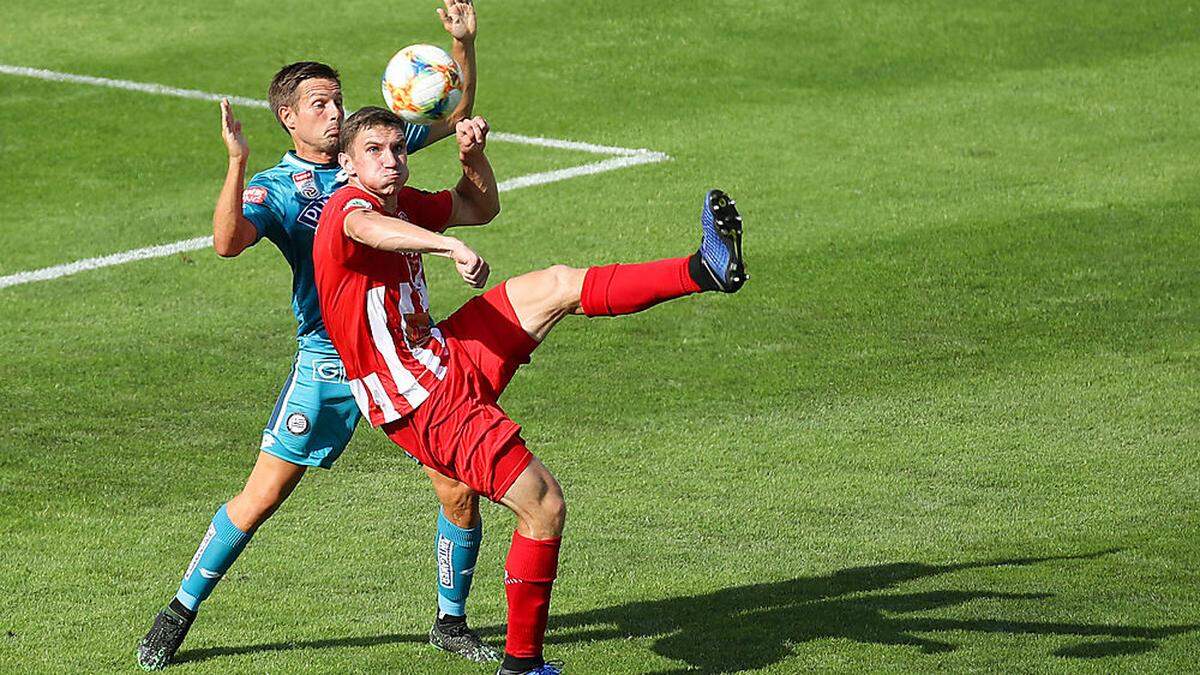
column 290, row 157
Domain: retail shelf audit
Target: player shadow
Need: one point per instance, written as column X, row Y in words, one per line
column 755, row 626
column 747, row 627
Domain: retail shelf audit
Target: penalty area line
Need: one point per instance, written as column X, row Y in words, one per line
column 185, row 245
column 617, row 158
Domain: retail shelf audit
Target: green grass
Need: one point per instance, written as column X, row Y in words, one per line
column 949, row 425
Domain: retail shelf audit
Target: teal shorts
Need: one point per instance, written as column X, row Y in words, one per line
column 315, row 413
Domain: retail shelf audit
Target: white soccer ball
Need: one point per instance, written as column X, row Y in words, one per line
column 422, row 84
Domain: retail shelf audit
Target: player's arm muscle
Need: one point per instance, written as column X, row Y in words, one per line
column 232, row 232
column 392, row 234
column 476, row 196
column 385, row 233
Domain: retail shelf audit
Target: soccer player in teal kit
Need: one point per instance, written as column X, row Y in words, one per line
column 315, row 413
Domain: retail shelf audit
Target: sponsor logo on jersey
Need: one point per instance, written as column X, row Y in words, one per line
column 306, row 183
column 255, row 194
column 329, row 370
column 311, row 214
column 297, row 423
column 445, row 558
column 357, row 203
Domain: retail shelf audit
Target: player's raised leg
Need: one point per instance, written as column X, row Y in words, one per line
column 456, row 547
column 541, row 299
column 532, row 565
column 270, row 483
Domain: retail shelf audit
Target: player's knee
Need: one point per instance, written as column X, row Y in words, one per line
column 551, row 515
column 254, row 506
column 460, row 504
column 565, row 284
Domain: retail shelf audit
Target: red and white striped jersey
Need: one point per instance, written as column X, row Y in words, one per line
column 376, row 305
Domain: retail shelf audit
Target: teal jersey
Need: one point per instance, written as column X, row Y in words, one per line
column 284, row 203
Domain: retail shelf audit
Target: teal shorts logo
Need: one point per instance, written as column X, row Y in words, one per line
column 328, row 370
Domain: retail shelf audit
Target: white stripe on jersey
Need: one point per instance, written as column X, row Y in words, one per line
column 427, row 358
column 360, row 397
column 390, row 414
column 423, row 355
column 406, row 382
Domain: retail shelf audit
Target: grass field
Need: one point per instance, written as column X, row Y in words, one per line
column 951, row 424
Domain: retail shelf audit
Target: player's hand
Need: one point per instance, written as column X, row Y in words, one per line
column 471, row 266
column 231, row 131
column 472, row 136
column 458, row 18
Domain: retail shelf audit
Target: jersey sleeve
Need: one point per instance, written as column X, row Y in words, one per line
column 430, row 210
column 344, row 248
column 416, row 136
column 262, row 208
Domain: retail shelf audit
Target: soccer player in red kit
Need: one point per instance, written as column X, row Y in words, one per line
column 433, row 387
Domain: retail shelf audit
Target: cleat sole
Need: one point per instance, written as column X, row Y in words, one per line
column 728, row 223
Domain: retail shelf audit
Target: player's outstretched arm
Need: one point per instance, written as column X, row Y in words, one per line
column 232, row 233
column 476, row 197
column 458, row 18
column 385, row 233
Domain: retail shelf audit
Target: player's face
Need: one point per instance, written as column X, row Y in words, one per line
column 378, row 160
column 317, row 115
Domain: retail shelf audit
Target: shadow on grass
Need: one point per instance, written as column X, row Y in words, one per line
column 758, row 625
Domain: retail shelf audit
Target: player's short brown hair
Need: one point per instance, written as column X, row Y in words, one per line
column 287, row 81
column 369, row 117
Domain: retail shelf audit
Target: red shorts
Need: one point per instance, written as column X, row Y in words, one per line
column 460, row 431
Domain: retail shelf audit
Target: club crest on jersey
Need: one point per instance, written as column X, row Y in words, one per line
column 255, row 194
column 357, row 203
column 306, row 183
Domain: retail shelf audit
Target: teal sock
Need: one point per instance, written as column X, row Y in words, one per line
column 457, row 551
column 219, row 548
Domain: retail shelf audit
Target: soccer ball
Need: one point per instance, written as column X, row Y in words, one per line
column 422, row 84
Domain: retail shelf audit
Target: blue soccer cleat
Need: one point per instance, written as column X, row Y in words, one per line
column 547, row 668
column 721, row 246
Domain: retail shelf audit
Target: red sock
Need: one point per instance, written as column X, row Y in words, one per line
column 613, row 290
column 529, row 575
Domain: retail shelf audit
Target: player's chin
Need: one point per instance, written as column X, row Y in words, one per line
column 329, row 144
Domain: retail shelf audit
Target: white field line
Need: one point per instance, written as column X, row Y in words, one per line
column 625, row 157
column 86, row 264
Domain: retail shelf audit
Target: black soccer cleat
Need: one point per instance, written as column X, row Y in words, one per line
column 157, row 649
column 721, row 245
column 458, row 638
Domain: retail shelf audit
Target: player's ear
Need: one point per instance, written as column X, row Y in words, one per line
column 346, row 163
column 288, row 117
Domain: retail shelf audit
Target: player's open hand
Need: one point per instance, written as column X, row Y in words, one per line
column 458, row 18
column 231, row 131
column 471, row 266
column 472, row 136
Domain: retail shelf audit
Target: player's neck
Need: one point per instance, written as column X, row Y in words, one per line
column 311, row 153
